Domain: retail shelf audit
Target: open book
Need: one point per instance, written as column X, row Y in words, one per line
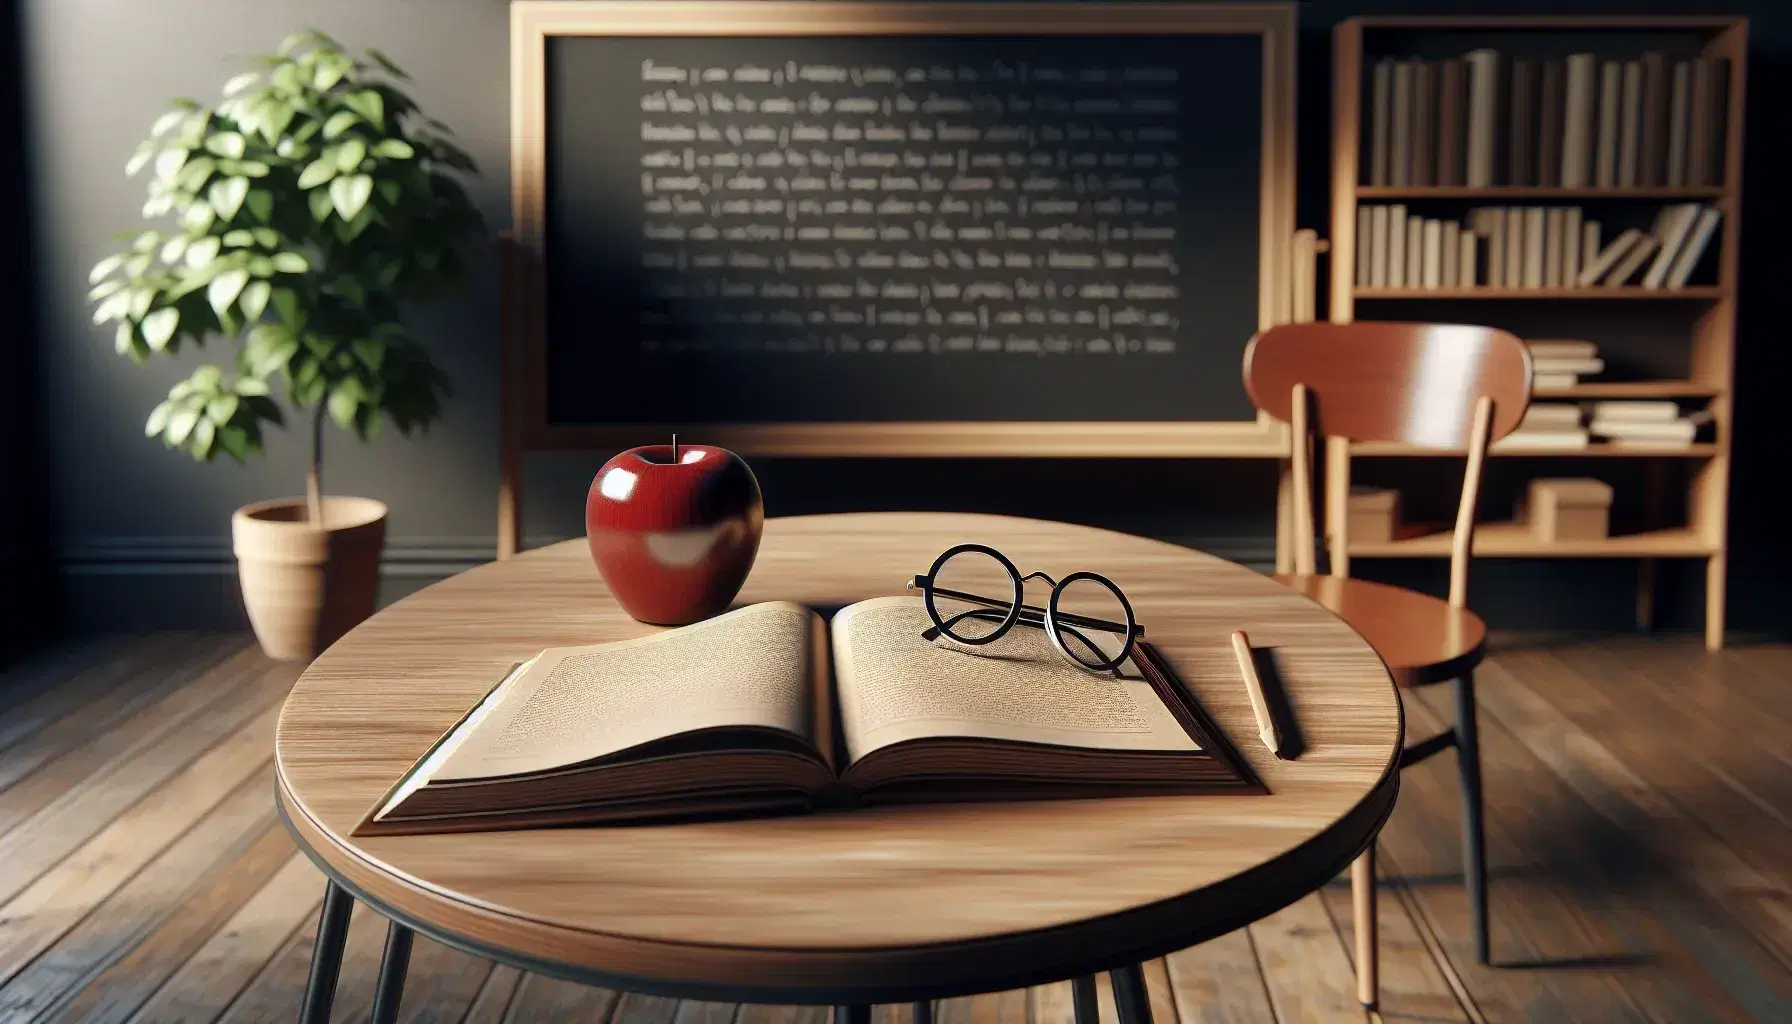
column 768, row 709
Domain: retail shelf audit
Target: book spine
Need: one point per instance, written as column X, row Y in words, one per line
column 1652, row 164
column 1672, row 228
column 1534, row 240
column 1640, row 252
column 1378, row 247
column 1552, row 120
column 1432, row 270
column 1493, row 228
column 1467, row 273
column 1415, row 252
column 1571, row 246
column 1521, row 137
column 1400, row 146
column 1630, row 121
column 1698, row 128
column 1483, row 109
column 1452, row 121
column 1552, row 247
column 1515, row 246
column 1695, row 247
column 1396, row 246
column 1611, row 88
column 1451, row 243
column 1381, row 108
column 1678, row 99
column 1580, row 120
column 1424, row 124
column 1589, row 247
column 1364, row 239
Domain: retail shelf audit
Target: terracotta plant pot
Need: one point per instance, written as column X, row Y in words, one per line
column 304, row 587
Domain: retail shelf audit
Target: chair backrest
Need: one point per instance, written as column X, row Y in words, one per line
column 1447, row 386
column 1415, row 384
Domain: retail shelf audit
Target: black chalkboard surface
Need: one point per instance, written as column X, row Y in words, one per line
column 838, row 229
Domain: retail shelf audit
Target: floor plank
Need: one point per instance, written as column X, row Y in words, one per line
column 542, row 1000
column 1219, row 982
column 1305, row 968
column 42, row 688
column 1413, row 986
column 492, row 1005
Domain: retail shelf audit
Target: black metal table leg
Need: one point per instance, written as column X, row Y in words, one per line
column 326, row 956
column 1082, row 993
column 852, row 1014
column 1474, row 851
column 1130, row 997
column 393, row 964
column 924, row 1012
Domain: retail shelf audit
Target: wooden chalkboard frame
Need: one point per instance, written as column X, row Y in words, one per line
column 534, row 22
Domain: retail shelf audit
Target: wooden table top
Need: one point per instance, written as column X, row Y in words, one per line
column 879, row 905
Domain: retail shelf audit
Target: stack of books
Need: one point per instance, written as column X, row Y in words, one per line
column 1488, row 119
column 1547, row 426
column 1561, row 364
column 1646, row 424
column 1520, row 247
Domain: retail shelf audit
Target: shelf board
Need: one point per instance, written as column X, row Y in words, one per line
column 1515, row 540
column 1632, row 389
column 1596, row 450
column 1600, row 292
column 1534, row 192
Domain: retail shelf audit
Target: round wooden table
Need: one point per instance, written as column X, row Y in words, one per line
column 872, row 906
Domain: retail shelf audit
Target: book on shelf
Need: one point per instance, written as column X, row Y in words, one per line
column 1553, row 224
column 1365, row 241
column 1415, row 251
column 1571, row 246
column 1673, row 225
column 1535, row 245
column 1609, row 257
column 1636, row 411
column 1432, row 265
column 1693, row 249
column 770, row 709
column 1633, row 261
column 1583, row 366
column 1517, row 245
column 1488, row 119
column 1561, row 348
column 1467, row 270
column 1378, row 246
column 1589, row 246
column 1396, row 257
column 1552, row 439
column 1550, row 416
column 1489, row 223
column 1450, row 241
column 1553, row 381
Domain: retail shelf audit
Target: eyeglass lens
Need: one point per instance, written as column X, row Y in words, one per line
column 1094, row 599
column 978, row 573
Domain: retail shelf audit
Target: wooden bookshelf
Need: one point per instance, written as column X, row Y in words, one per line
column 1596, row 292
column 1700, row 371
column 1515, row 540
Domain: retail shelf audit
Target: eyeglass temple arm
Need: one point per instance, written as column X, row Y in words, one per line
column 1065, row 617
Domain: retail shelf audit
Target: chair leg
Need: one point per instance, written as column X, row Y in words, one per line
column 1131, row 999
column 326, row 955
column 854, row 1014
column 393, row 965
column 923, row 1011
column 1368, row 946
column 1474, row 854
column 1082, row 992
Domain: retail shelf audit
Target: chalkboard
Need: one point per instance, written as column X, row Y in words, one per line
column 994, row 217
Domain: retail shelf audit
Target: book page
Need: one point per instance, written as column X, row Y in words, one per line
column 750, row 667
column 895, row 686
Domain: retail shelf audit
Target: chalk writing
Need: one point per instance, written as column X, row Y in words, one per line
column 992, row 208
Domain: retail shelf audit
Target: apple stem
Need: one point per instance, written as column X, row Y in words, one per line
column 674, row 447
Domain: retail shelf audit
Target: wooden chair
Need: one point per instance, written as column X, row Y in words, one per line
column 1441, row 386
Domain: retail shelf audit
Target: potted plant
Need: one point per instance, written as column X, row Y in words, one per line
column 299, row 216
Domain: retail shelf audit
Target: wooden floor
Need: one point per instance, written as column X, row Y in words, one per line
column 1639, row 827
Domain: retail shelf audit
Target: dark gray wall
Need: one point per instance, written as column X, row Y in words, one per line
column 143, row 533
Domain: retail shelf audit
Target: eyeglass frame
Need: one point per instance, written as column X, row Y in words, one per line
column 1048, row 618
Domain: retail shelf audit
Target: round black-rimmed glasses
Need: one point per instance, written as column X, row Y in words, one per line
column 990, row 618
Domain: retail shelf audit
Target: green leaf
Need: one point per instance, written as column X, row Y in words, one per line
column 351, row 194
column 261, row 204
column 253, row 169
column 197, row 217
column 170, row 161
column 204, row 433
column 207, row 378
column 394, row 149
column 241, row 82
column 158, row 206
column 371, row 353
column 294, row 41
column 124, row 340
column 105, row 288
column 250, row 387
column 340, row 122
column 291, row 262
column 227, row 144
column 225, row 288
column 227, row 196
column 286, row 79
column 390, row 191
column 180, row 426
column 159, row 326
column 167, row 121
column 255, row 300
column 220, row 409
column 350, row 154
column 172, row 250
column 369, row 104
column 321, row 204
column 328, row 74
column 158, row 419
column 319, row 172
column 275, row 116
column 104, row 267
column 113, row 308
column 261, row 266
column 344, row 402
column 286, row 303
column 145, row 241
column 144, row 153
column 241, row 238
column 234, row 441
column 202, row 252
column 386, row 63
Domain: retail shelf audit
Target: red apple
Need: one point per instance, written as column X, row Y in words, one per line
column 674, row 530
